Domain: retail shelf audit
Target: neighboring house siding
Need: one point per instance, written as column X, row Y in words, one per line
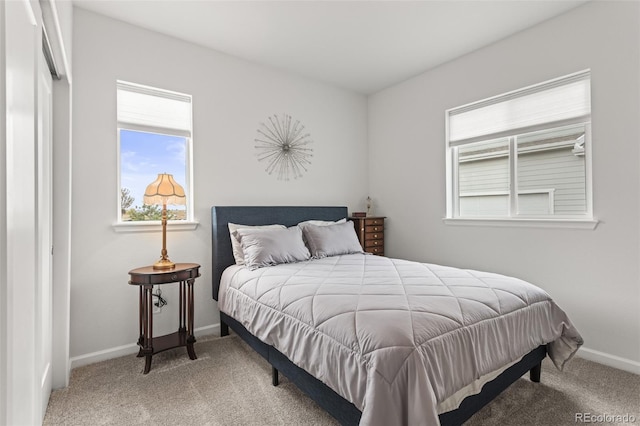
column 557, row 175
column 555, row 169
column 484, row 187
column 484, row 176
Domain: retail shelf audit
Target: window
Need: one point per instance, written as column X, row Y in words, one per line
column 154, row 136
column 523, row 156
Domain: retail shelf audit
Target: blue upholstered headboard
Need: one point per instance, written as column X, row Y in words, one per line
column 222, row 255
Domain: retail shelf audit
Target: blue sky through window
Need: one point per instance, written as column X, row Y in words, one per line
column 144, row 155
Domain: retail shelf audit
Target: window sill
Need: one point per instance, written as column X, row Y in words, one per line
column 154, row 226
column 524, row 223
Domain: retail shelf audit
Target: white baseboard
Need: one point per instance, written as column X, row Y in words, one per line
column 214, row 329
column 609, row 360
column 103, row 355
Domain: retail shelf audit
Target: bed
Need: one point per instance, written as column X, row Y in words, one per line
column 382, row 372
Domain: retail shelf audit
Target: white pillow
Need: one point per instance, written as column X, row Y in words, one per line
column 238, row 255
column 267, row 247
column 331, row 240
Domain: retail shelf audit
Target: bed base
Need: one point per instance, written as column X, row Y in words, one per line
column 346, row 413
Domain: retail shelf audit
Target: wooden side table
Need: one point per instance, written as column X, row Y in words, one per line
column 146, row 277
column 370, row 230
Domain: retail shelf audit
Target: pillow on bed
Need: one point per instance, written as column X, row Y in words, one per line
column 322, row 222
column 331, row 240
column 317, row 223
column 267, row 247
column 238, row 255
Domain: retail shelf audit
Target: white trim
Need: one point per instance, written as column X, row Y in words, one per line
column 610, row 360
column 513, row 177
column 153, row 129
column 124, row 350
column 451, row 170
column 588, row 141
column 483, row 194
column 118, row 175
column 536, row 191
column 44, row 229
column 154, row 225
column 547, row 147
column 62, row 173
column 153, row 91
column 4, row 386
column 51, row 17
column 78, row 361
column 30, row 12
column 63, row 50
column 518, row 222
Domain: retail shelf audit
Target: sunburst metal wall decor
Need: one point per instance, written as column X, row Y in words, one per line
column 284, row 146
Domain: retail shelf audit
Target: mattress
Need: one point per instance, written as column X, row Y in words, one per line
column 396, row 338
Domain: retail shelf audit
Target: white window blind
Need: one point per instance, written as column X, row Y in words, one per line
column 557, row 101
column 149, row 109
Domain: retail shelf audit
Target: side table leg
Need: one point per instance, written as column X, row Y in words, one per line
column 148, row 318
column 190, row 350
column 147, row 364
column 141, row 330
column 190, row 337
column 182, row 303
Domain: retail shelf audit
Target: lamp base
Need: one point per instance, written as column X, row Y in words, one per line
column 164, row 264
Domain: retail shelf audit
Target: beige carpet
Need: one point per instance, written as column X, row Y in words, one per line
column 229, row 384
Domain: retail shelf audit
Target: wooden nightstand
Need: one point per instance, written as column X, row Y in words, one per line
column 370, row 232
column 146, row 277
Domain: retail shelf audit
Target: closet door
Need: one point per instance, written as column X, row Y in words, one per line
column 22, row 45
column 44, row 285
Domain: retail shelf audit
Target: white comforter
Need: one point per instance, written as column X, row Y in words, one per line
column 395, row 337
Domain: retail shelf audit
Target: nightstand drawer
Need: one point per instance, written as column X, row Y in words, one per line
column 376, row 221
column 373, row 243
column 373, row 228
column 376, row 250
column 373, row 235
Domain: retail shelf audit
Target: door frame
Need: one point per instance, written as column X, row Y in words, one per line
column 44, row 283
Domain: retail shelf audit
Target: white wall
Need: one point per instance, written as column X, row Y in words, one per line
column 593, row 275
column 230, row 98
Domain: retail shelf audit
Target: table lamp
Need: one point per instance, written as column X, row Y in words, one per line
column 164, row 190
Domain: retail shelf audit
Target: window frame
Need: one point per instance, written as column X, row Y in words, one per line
column 514, row 218
column 155, row 225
